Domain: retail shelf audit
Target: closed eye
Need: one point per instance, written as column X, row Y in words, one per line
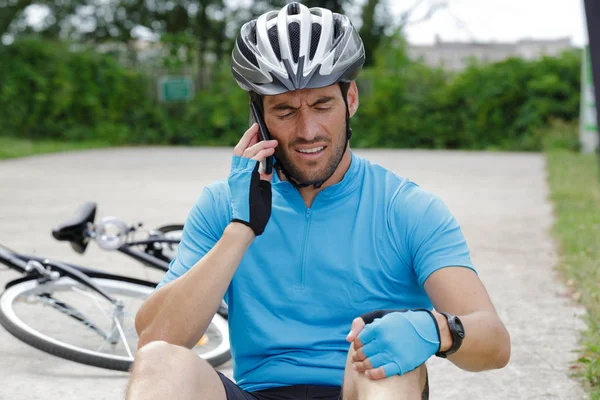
column 285, row 116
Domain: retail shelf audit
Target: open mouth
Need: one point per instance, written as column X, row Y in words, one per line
column 312, row 151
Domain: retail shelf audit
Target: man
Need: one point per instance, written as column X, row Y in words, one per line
column 314, row 258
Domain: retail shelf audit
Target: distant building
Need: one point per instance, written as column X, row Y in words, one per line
column 455, row 56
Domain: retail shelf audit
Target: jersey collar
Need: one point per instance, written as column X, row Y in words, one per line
column 348, row 184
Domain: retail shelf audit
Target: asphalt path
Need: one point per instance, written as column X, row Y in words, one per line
column 500, row 200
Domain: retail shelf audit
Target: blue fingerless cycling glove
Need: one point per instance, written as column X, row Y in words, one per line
column 399, row 340
column 250, row 196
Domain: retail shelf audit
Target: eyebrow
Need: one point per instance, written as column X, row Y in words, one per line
column 285, row 106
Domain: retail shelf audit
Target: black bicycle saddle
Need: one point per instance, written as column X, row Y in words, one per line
column 74, row 229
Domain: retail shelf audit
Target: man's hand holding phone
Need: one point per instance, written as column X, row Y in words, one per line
column 250, row 188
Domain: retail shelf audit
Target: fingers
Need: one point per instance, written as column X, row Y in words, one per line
column 362, row 366
column 260, row 152
column 366, row 368
column 357, row 344
column 367, row 335
column 244, row 142
column 364, row 351
column 357, row 326
column 250, row 146
column 361, row 363
column 252, row 152
column 253, row 140
column 375, row 374
column 358, row 355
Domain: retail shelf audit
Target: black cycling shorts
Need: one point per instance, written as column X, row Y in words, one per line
column 296, row 392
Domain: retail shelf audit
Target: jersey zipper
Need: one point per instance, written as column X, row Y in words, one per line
column 304, row 246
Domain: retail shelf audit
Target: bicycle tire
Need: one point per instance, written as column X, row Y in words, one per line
column 41, row 341
column 170, row 249
column 170, row 228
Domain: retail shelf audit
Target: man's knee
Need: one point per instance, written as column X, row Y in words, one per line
column 152, row 356
column 162, row 370
column 160, row 357
column 359, row 386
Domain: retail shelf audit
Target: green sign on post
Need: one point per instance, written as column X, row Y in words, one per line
column 588, row 130
column 175, row 89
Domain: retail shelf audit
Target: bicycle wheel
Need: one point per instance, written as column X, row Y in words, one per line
column 171, row 229
column 169, row 250
column 68, row 320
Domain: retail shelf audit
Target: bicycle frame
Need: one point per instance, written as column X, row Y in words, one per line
column 44, row 281
column 22, row 263
column 145, row 258
column 79, row 273
column 45, row 270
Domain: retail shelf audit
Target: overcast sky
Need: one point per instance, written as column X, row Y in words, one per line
column 486, row 20
column 499, row 20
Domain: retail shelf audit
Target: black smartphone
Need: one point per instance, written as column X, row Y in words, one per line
column 263, row 133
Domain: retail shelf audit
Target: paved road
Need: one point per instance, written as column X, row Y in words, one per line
column 499, row 199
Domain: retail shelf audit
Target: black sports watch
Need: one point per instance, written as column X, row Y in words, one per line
column 457, row 331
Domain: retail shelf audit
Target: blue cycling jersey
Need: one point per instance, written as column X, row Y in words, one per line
column 368, row 242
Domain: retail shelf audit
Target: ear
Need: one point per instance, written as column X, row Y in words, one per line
column 352, row 98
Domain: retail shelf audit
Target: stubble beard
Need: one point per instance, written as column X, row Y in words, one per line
column 309, row 176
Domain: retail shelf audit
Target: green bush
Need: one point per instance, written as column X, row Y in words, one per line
column 496, row 106
column 219, row 114
column 48, row 91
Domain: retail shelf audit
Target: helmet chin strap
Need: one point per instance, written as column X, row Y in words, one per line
column 344, row 86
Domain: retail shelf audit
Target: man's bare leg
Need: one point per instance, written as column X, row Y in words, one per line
column 164, row 371
column 357, row 386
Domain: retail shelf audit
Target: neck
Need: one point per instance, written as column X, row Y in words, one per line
column 310, row 192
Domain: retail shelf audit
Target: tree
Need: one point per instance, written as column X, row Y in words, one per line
column 371, row 30
column 406, row 18
column 11, row 10
column 376, row 20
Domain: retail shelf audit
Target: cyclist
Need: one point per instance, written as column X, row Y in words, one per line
column 326, row 244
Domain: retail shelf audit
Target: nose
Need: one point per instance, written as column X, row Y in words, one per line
column 307, row 127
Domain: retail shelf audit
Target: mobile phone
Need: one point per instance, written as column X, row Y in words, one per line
column 263, row 134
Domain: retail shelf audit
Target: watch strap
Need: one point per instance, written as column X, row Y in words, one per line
column 456, row 332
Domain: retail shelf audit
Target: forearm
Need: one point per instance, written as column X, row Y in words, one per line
column 181, row 311
column 486, row 344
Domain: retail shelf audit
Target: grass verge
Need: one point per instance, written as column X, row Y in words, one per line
column 14, row 147
column 575, row 191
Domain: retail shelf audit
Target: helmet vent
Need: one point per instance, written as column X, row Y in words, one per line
column 314, row 40
column 246, row 52
column 294, row 32
column 337, row 27
column 293, row 9
column 338, row 52
column 252, row 35
column 274, row 39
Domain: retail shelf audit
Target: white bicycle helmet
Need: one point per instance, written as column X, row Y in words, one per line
column 296, row 48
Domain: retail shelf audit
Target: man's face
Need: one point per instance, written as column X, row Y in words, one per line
column 310, row 126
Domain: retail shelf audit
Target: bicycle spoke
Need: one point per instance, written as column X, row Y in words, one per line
column 83, row 322
column 71, row 312
column 97, row 302
column 96, row 299
column 122, row 334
